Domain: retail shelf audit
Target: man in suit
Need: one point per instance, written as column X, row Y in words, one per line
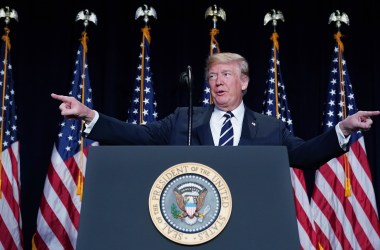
column 228, row 77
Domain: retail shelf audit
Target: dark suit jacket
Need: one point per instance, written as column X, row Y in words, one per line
column 258, row 129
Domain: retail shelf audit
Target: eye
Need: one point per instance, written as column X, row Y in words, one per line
column 227, row 74
column 211, row 76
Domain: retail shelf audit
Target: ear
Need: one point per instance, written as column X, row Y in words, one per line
column 244, row 82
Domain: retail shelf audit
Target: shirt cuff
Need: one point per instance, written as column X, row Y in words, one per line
column 343, row 141
column 89, row 127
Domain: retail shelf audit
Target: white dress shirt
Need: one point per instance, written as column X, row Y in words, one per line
column 217, row 119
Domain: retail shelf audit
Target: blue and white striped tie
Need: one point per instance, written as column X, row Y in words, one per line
column 227, row 132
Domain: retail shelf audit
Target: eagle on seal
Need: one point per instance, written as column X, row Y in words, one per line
column 190, row 205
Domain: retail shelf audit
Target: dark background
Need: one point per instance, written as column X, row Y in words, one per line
column 46, row 38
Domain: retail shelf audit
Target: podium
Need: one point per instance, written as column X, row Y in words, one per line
column 118, row 181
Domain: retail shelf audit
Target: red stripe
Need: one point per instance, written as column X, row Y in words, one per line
column 57, row 184
column 322, row 239
column 348, row 209
column 54, row 224
column 305, row 222
column 338, row 189
column 64, row 195
column 360, row 194
column 302, row 216
column 327, row 210
column 5, row 236
column 16, row 206
column 360, row 153
column 7, row 193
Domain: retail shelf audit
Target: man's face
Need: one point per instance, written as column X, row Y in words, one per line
column 226, row 85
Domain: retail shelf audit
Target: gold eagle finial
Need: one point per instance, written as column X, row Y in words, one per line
column 215, row 12
column 339, row 18
column 8, row 14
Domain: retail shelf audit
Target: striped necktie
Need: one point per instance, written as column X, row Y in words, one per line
column 227, row 132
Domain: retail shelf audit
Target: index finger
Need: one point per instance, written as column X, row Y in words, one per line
column 60, row 97
column 371, row 113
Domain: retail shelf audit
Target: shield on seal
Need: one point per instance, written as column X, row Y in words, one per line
column 190, row 206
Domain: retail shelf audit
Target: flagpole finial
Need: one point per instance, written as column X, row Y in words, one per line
column 8, row 14
column 145, row 12
column 273, row 16
column 87, row 17
column 338, row 18
column 215, row 12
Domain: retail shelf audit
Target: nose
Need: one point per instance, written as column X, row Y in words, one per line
column 218, row 82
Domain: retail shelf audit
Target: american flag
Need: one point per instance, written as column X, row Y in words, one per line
column 59, row 211
column 143, row 105
column 343, row 199
column 10, row 214
column 275, row 104
column 214, row 48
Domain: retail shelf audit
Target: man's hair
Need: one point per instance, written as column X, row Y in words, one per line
column 227, row 57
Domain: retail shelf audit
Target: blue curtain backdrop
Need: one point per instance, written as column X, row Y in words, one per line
column 44, row 43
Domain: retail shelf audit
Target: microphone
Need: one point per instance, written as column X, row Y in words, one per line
column 187, row 78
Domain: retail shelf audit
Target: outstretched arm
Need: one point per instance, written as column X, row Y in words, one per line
column 361, row 120
column 72, row 108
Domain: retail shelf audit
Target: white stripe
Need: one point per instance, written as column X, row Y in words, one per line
column 55, row 202
column 66, row 178
column 334, row 202
column 360, row 214
column 60, row 211
column 305, row 241
column 302, row 196
column 7, row 166
column 6, row 212
column 46, row 234
column 363, row 178
column 10, row 221
column 225, row 132
column 227, row 141
column 325, row 226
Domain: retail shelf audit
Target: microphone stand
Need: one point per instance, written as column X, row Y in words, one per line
column 187, row 78
column 190, row 113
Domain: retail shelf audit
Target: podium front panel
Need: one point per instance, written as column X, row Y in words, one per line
column 115, row 212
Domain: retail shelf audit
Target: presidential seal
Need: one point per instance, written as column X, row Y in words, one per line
column 190, row 203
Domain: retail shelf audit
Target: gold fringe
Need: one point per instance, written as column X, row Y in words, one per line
column 84, row 40
column 34, row 247
column 347, row 181
column 146, row 33
column 6, row 39
column 274, row 38
column 213, row 33
column 337, row 37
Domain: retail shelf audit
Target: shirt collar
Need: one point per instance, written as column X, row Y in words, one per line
column 238, row 112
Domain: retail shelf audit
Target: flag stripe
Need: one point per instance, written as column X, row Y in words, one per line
column 53, row 228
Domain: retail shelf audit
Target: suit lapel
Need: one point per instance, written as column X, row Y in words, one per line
column 204, row 135
column 204, row 131
column 249, row 129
